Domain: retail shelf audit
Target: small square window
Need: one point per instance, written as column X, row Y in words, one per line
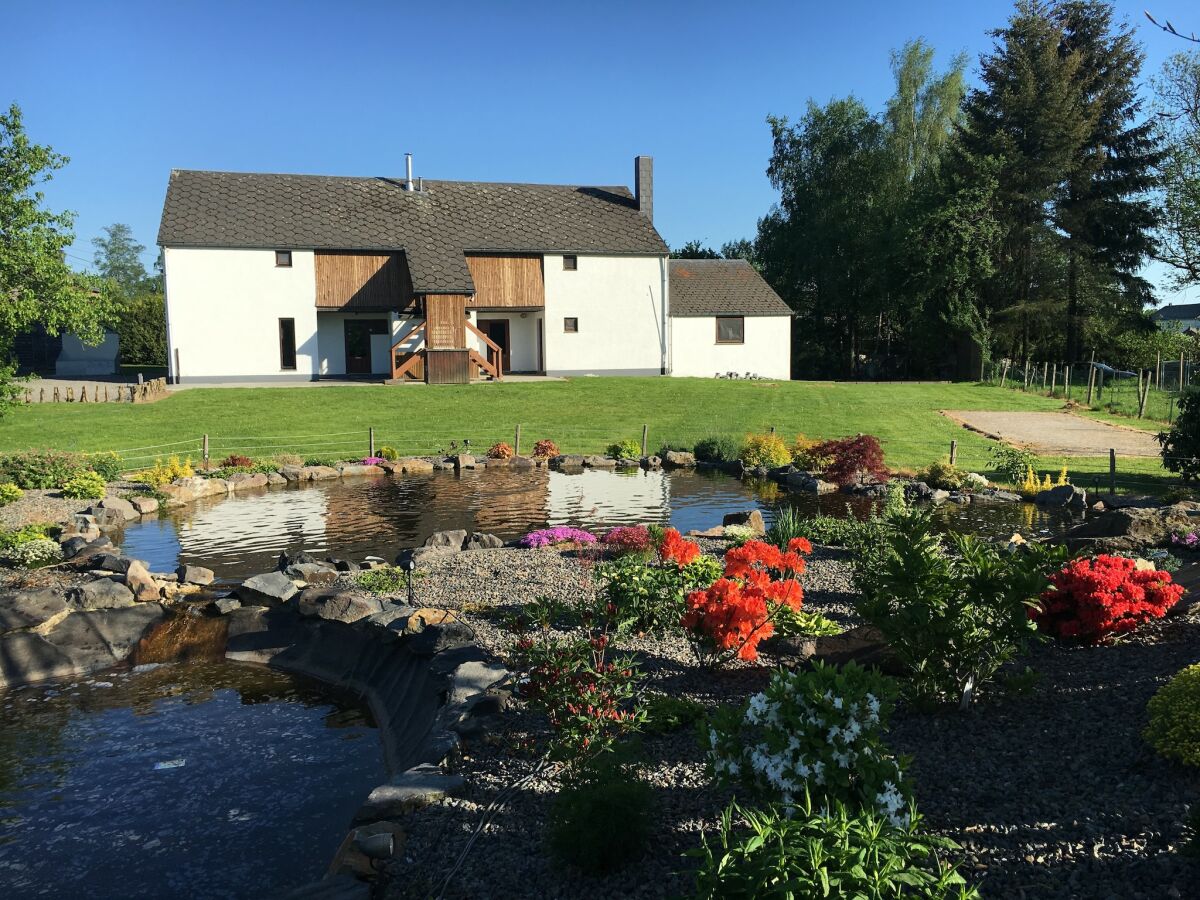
column 731, row 330
column 570, row 263
column 571, row 325
column 283, row 259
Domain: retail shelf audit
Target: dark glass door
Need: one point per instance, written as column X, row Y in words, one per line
column 497, row 331
column 358, row 343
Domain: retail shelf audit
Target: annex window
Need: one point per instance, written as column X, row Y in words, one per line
column 287, row 344
column 283, row 259
column 570, row 263
column 731, row 330
column 571, row 325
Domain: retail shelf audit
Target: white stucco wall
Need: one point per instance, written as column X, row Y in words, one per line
column 331, row 342
column 223, row 312
column 522, row 338
column 619, row 303
column 767, row 350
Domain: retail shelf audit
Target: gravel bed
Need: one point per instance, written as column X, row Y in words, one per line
column 1052, row 792
column 40, row 506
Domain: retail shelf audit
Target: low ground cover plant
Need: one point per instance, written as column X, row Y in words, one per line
column 666, row 713
column 556, row 536
column 626, row 449
column 10, row 493
column 1090, row 600
column 544, row 449
column 388, row 453
column 806, row 851
column 30, row 545
column 953, row 609
column 819, row 731
column 83, row 485
column 500, row 450
column 1174, row 714
column 733, row 615
column 766, row 451
column 383, row 580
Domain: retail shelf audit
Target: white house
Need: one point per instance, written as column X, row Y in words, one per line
column 299, row 277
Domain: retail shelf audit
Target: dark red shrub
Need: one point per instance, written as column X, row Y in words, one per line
column 1093, row 598
column 545, row 449
column 853, row 459
column 236, row 461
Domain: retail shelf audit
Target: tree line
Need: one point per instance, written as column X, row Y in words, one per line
column 1013, row 219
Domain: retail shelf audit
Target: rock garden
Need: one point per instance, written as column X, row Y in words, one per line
column 770, row 705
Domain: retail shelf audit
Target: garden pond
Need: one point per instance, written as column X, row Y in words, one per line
column 243, row 534
column 211, row 779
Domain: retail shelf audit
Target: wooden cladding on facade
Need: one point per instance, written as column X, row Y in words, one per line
column 507, row 281
column 445, row 321
column 448, row 366
column 361, row 281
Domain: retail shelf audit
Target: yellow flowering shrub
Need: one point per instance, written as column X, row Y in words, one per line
column 1174, row 729
column 767, row 450
column 804, row 455
column 164, row 473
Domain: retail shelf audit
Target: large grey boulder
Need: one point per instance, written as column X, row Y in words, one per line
column 415, row 466
column 318, row 473
column 244, row 481
column 448, row 540
column 480, row 540
column 338, row 604
column 26, row 657
column 566, row 461
column 144, row 505
column 195, row 575
column 1064, row 496
column 1133, row 528
column 599, row 462
column 803, row 481
column 355, row 470
column 119, row 506
column 101, row 593
column 474, row 677
column 268, row 589
column 97, row 639
column 312, row 572
column 291, row 473
column 679, row 459
column 409, row 791
column 31, row 609
column 651, row 463
column 464, row 461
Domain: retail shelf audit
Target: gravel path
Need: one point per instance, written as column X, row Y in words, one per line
column 40, row 506
column 1053, row 793
column 1058, row 433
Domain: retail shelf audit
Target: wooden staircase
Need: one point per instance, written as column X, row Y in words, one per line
column 453, row 362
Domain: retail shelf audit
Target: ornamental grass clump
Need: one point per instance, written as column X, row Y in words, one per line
column 732, row 616
column 1174, row 712
column 1093, row 599
column 717, row 449
column 819, row 731
column 556, row 536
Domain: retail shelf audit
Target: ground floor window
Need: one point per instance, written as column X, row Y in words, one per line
column 287, row 343
column 571, row 325
column 731, row 330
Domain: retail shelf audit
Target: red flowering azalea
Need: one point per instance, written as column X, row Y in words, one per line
column 677, row 549
column 1093, row 598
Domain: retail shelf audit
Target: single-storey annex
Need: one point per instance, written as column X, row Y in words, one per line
column 298, row 277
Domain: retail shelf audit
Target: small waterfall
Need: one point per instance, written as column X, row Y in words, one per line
column 183, row 638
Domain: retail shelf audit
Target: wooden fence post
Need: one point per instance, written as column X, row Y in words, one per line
column 1158, row 369
column 204, row 450
column 517, row 441
column 1112, row 470
column 1145, row 393
column 1053, row 379
column 645, row 438
column 1181, row 373
column 953, row 452
column 371, row 441
column 1091, row 378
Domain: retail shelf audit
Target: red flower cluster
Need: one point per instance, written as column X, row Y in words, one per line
column 677, row 549
column 1093, row 598
column 628, row 539
column 735, row 612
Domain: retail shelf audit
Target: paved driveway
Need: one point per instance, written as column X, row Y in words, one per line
column 1058, row 433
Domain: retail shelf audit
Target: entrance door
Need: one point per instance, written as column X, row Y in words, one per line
column 497, row 331
column 358, row 343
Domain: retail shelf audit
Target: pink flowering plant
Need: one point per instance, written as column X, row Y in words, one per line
column 1188, row 540
column 373, row 460
column 559, row 534
column 820, row 732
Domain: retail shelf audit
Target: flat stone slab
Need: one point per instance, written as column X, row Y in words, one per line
column 473, row 678
column 30, row 609
column 270, row 587
column 26, row 657
column 418, row 787
column 102, row 593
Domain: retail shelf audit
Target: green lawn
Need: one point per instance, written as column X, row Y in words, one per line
column 581, row 415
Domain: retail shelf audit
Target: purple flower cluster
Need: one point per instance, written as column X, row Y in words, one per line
column 560, row 534
column 1188, row 540
column 372, row 460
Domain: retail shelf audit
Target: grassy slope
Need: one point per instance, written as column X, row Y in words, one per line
column 581, row 415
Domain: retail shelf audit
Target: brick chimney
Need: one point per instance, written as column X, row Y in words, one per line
column 643, row 185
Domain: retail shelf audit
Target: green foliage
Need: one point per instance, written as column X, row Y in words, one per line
column 10, row 538
column 644, row 597
column 786, row 524
column 943, row 475
column 31, row 545
column 107, row 465
column 1012, row 462
column 804, row 852
column 118, row 258
column 765, row 450
column 820, row 727
column 694, row 250
column 388, row 453
column 384, row 580
column 1181, row 445
column 666, row 713
column 739, row 534
column 40, row 469
column 1177, row 88
column 10, row 493
column 952, row 615
column 84, row 485
column 37, row 286
column 804, row 623
column 626, row 449
column 718, row 449
column 1174, row 713
column 601, row 819
column 142, row 328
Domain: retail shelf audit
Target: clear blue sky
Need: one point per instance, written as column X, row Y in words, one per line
column 550, row 92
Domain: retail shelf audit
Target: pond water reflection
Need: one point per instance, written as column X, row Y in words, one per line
column 210, row 779
column 353, row 518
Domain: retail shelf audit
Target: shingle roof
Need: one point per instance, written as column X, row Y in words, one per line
column 1178, row 312
column 714, row 287
column 433, row 226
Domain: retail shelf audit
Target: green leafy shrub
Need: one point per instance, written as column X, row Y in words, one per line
column 1174, row 712
column 384, row 580
column 37, row 552
column 85, row 485
column 839, row 531
column 823, row 727
column 1012, row 462
column 765, row 450
column 953, row 615
column 717, row 449
column 808, row 853
column 804, row 623
column 644, row 597
column 626, row 449
column 666, row 713
column 388, row 453
column 40, row 469
column 10, row 493
column 16, row 536
column 944, row 475
column 807, row 456
column 107, row 465
column 1181, row 445
column 601, row 818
